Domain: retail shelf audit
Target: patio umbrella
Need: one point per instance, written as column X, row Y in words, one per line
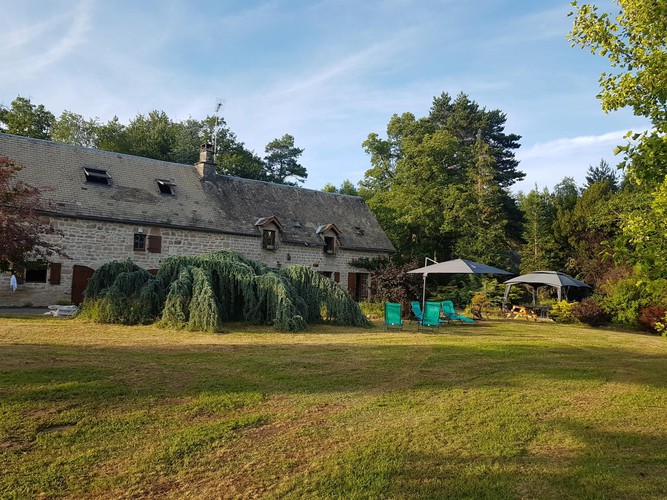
column 544, row 278
column 456, row 266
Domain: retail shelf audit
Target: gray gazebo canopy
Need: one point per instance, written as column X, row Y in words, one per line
column 545, row 278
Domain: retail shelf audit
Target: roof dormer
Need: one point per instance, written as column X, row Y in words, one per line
column 270, row 228
column 330, row 235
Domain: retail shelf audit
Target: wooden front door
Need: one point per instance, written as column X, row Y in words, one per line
column 80, row 277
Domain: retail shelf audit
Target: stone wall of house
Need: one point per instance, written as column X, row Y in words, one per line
column 93, row 243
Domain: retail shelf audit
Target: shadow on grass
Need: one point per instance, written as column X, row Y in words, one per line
column 62, row 399
column 36, row 371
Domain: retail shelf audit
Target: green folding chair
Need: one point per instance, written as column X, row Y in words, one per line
column 451, row 314
column 416, row 311
column 392, row 315
column 431, row 317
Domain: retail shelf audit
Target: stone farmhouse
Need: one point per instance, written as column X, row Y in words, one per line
column 111, row 206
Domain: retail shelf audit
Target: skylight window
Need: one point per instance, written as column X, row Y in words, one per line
column 97, row 176
column 166, row 187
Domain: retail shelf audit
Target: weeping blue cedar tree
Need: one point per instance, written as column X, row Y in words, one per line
column 201, row 292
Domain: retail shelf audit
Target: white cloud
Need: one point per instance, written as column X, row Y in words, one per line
column 572, row 145
column 31, row 48
column 547, row 163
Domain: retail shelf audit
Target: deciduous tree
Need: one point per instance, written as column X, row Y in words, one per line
column 72, row 128
column 27, row 119
column 633, row 40
column 347, row 187
column 23, row 232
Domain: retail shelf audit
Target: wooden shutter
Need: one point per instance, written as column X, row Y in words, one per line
column 54, row 275
column 337, row 277
column 352, row 284
column 155, row 244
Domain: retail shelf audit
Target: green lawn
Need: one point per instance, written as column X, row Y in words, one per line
column 499, row 409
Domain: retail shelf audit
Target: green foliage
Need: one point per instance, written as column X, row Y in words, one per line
column 316, row 290
column 586, row 232
column 27, row 119
column 633, row 40
column 479, row 305
column 200, row 293
column 623, row 299
column 204, row 307
column 645, row 227
column 375, row 309
column 538, row 251
column 156, row 135
column 72, row 128
column 602, row 173
column 347, row 187
column 122, row 292
column 176, row 312
column 495, row 292
column 438, row 184
column 281, row 162
column 562, row 312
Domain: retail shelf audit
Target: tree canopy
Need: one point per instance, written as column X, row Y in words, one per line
column 25, row 118
column 281, row 162
column 156, row 135
column 347, row 187
column 633, row 40
column 438, row 184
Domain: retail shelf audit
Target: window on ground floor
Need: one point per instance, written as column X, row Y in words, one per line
column 139, row 242
column 35, row 272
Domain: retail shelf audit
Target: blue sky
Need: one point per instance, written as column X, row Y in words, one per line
column 328, row 72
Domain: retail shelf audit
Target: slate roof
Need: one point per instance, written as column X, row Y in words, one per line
column 220, row 203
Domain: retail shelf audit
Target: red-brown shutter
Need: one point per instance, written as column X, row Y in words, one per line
column 352, row 284
column 54, row 275
column 155, row 244
column 337, row 277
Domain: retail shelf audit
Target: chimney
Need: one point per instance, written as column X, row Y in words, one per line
column 206, row 164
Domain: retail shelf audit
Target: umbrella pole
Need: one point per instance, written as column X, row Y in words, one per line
column 426, row 259
column 423, row 300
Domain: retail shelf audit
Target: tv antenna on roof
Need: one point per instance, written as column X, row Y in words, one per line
column 219, row 103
